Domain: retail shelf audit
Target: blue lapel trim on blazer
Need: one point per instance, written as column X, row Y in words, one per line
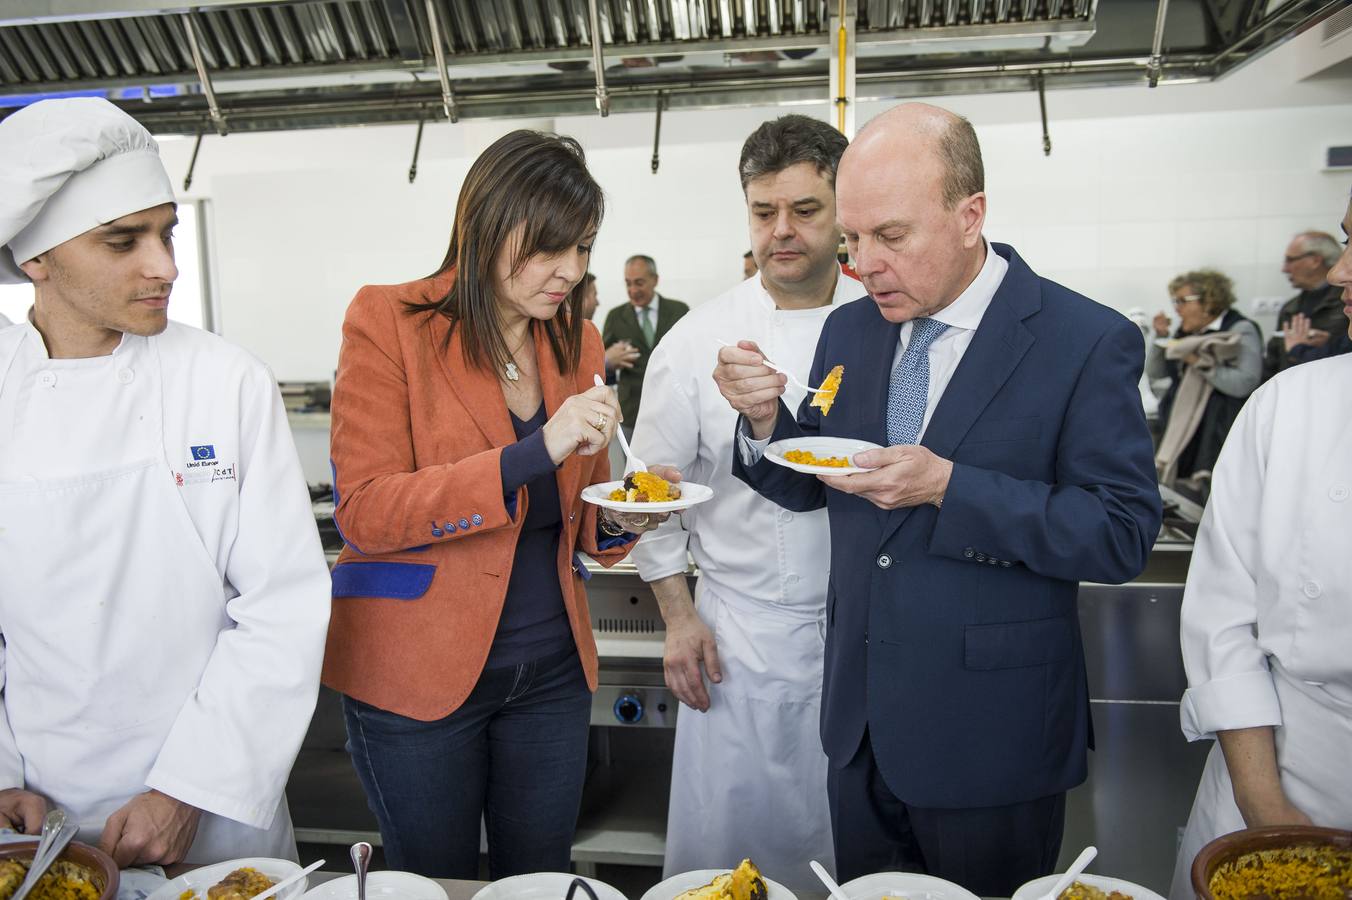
column 1000, row 343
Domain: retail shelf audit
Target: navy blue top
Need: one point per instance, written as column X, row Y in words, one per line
column 534, row 622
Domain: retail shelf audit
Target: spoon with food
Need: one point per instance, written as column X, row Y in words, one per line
column 823, row 396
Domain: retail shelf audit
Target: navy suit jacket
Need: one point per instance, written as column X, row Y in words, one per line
column 952, row 633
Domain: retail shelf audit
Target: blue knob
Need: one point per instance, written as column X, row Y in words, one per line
column 629, row 709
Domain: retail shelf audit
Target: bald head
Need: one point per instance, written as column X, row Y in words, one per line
column 927, row 135
column 911, row 204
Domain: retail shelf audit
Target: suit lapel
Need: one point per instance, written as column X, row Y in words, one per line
column 1000, row 343
column 877, row 350
column 478, row 391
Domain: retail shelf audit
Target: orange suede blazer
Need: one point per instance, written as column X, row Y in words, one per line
column 430, row 538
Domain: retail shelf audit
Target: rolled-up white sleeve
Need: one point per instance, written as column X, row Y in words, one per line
column 667, row 433
column 232, row 746
column 1229, row 683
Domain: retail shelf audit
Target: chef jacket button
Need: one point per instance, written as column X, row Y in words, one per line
column 126, row 376
column 436, row 532
column 477, row 519
column 464, row 523
column 450, row 528
column 969, row 553
column 884, row 562
column 1338, row 493
column 791, row 579
column 47, row 379
column 981, row 557
column 1311, row 589
column 786, row 516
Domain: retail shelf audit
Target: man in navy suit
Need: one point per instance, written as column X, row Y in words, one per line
column 1015, row 464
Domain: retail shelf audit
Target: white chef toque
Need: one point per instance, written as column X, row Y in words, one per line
column 67, row 166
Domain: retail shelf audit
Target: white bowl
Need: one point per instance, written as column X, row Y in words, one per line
column 678, row 884
column 198, row 880
column 1036, row 888
column 380, row 886
column 907, row 885
column 543, row 886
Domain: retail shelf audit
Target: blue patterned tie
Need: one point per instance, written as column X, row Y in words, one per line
column 909, row 390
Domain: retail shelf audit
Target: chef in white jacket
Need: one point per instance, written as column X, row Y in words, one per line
column 163, row 593
column 749, row 772
column 1267, row 612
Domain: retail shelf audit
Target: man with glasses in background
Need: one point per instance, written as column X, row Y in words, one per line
column 1309, row 318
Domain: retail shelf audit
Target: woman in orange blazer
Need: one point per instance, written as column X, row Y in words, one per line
column 465, row 425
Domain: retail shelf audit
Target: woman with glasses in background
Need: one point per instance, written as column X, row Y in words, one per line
column 1213, row 361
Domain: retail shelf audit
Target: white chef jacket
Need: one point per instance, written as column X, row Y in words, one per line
column 245, row 686
column 740, row 541
column 1267, row 612
column 4, row 322
column 756, row 755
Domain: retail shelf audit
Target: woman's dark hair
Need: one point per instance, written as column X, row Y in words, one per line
column 531, row 179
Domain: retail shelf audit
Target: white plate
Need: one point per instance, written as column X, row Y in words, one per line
column 691, row 494
column 380, row 886
column 543, row 886
column 821, row 447
column 679, row 884
column 1039, row 886
column 198, row 880
column 908, row 885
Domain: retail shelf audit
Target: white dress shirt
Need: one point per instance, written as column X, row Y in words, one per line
column 962, row 317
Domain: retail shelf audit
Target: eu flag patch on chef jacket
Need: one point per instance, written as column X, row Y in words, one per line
column 206, row 451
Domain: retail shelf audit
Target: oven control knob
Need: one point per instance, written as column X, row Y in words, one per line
column 629, row 709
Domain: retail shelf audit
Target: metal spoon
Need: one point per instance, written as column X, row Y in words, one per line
column 56, row 834
column 361, row 861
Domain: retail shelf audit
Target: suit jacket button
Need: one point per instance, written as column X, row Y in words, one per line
column 884, row 562
column 464, row 523
column 981, row 557
column 450, row 528
column 436, row 532
column 969, row 553
column 477, row 519
column 1005, row 564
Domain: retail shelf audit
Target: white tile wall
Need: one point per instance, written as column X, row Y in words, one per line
column 1139, row 188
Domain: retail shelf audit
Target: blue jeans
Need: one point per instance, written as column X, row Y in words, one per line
column 514, row 753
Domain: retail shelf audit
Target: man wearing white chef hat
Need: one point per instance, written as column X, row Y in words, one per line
column 163, row 594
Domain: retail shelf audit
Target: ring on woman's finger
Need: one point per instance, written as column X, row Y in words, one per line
column 601, row 422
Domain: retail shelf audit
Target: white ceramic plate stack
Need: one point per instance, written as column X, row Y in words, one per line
column 199, row 880
column 679, row 884
column 820, row 447
column 544, row 886
column 1036, row 888
column 904, row 886
column 691, row 494
column 380, row 886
